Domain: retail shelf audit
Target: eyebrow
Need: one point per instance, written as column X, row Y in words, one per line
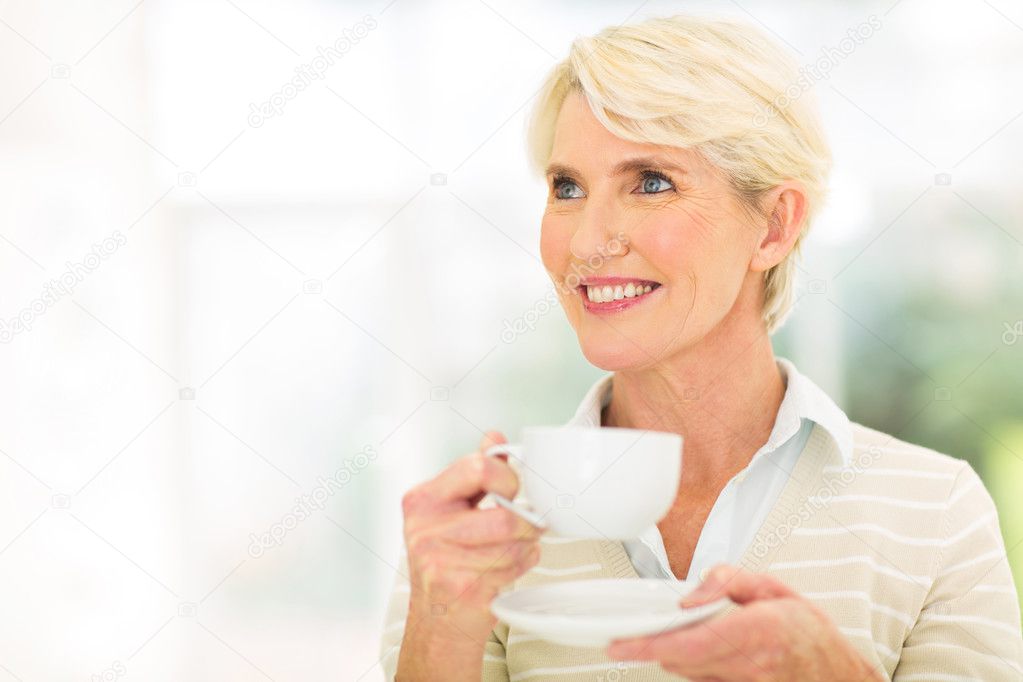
column 626, row 166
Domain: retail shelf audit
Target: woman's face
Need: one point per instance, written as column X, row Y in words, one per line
column 684, row 234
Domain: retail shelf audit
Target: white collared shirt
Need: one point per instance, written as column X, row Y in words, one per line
column 744, row 502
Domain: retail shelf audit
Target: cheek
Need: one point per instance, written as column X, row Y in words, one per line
column 669, row 246
column 678, row 247
column 696, row 254
column 555, row 241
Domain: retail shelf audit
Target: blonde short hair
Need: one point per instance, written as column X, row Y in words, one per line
column 719, row 86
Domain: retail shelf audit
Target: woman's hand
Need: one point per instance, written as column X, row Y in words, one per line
column 459, row 558
column 775, row 635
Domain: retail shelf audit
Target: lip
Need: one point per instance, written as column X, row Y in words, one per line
column 611, row 307
column 601, row 281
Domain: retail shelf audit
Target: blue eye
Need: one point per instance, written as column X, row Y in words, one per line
column 652, row 180
column 560, row 184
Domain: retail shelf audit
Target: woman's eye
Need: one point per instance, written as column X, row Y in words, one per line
column 654, row 183
column 566, row 189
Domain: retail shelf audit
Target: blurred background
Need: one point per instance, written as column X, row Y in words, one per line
column 259, row 261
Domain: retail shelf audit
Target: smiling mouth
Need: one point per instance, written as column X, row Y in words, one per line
column 613, row 297
column 608, row 293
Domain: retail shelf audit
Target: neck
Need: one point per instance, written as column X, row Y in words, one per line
column 722, row 396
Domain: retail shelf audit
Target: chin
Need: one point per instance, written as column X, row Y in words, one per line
column 612, row 351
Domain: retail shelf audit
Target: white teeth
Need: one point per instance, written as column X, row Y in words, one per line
column 604, row 294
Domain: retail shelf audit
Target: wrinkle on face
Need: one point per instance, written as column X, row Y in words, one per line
column 695, row 239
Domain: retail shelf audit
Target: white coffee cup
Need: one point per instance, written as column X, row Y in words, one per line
column 593, row 482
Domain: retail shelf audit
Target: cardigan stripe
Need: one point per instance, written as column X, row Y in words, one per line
column 902, row 549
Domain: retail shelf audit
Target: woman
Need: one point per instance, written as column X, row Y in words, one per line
column 681, row 184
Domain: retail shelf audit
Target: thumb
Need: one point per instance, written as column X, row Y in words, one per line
column 737, row 584
column 491, row 438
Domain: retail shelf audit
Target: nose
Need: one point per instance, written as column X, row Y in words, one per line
column 596, row 232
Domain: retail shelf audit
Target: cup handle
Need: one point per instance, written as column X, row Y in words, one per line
column 514, row 451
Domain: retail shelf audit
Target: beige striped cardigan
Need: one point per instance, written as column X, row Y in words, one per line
column 902, row 549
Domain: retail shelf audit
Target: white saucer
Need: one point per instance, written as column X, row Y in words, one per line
column 591, row 613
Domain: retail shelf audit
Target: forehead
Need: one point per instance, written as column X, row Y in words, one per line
column 582, row 141
column 577, row 129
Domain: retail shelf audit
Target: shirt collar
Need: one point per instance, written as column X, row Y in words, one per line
column 803, row 400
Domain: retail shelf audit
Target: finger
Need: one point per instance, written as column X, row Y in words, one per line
column 488, row 526
column 690, row 650
column 674, row 648
column 499, row 573
column 474, row 474
column 710, row 589
column 733, row 646
column 739, row 585
column 491, row 438
column 497, row 558
column 496, row 572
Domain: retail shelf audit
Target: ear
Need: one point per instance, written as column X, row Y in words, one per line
column 786, row 208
